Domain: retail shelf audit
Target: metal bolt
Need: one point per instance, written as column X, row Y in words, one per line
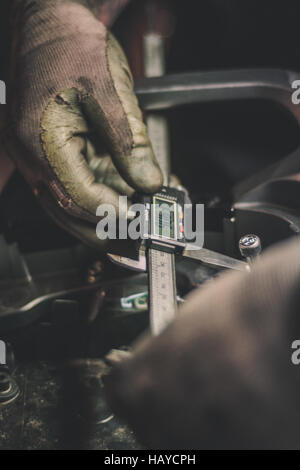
column 250, row 246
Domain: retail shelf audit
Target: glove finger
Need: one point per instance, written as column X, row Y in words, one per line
column 175, row 182
column 104, row 169
column 64, row 137
column 122, row 126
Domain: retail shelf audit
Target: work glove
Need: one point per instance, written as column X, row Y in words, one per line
column 74, row 126
column 222, row 375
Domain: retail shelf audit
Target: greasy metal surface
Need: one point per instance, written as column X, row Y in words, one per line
column 38, row 419
column 199, row 87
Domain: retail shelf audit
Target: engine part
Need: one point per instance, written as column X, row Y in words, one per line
column 9, row 389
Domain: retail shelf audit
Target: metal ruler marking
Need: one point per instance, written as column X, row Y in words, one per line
column 162, row 289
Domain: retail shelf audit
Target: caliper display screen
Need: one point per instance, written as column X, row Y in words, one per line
column 164, row 217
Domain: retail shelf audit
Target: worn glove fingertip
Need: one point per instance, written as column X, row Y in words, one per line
column 142, row 171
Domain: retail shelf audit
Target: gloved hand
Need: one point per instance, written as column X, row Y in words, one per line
column 74, row 126
column 221, row 375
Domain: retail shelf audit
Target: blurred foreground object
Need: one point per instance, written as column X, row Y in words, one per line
column 221, row 375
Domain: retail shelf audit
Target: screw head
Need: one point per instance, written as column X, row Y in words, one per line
column 248, row 240
column 250, row 246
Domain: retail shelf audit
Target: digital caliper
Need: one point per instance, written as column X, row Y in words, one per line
column 162, row 242
column 164, row 220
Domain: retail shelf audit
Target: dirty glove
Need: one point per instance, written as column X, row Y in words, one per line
column 221, row 376
column 75, row 128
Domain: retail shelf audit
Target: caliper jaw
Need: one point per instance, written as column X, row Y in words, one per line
column 200, row 255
